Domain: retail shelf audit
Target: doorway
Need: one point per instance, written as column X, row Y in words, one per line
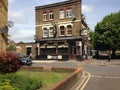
column 72, row 53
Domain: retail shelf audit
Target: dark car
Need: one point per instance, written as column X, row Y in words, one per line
column 24, row 60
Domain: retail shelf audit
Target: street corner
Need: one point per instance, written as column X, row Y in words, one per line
column 87, row 77
column 113, row 62
column 80, row 85
column 89, row 61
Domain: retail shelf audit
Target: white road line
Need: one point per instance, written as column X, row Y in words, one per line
column 83, row 86
column 105, row 76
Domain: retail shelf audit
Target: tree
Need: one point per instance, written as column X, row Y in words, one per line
column 21, row 42
column 107, row 33
column 92, row 37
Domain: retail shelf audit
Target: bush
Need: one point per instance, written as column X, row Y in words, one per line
column 19, row 82
column 8, row 62
column 5, row 85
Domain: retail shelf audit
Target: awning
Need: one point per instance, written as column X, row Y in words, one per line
column 48, row 47
column 62, row 46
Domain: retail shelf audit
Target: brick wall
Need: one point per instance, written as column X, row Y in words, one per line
column 3, row 20
column 75, row 5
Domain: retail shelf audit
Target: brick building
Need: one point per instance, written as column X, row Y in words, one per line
column 3, row 21
column 23, row 48
column 61, row 32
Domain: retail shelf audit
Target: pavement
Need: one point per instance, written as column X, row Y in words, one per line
column 105, row 62
column 81, row 83
column 84, row 62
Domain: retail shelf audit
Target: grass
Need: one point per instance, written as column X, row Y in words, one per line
column 28, row 80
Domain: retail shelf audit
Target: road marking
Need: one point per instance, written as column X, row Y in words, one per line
column 105, row 76
column 83, row 86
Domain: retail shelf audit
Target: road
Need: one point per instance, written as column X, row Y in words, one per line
column 104, row 75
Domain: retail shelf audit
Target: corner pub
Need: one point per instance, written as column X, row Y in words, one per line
column 61, row 32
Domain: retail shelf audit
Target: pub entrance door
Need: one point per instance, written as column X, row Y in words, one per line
column 72, row 53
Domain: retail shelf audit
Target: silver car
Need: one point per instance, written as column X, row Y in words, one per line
column 24, row 60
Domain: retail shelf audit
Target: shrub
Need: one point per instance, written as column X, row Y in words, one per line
column 19, row 81
column 8, row 62
column 5, row 85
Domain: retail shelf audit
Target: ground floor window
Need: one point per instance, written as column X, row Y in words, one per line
column 62, row 51
column 48, row 51
column 42, row 51
column 51, row 51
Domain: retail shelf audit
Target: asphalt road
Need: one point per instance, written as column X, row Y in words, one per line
column 104, row 75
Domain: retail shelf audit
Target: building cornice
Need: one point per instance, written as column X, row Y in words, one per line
column 49, row 24
column 58, row 4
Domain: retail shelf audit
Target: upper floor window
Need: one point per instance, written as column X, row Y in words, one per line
column 45, row 32
column 62, row 31
column 61, row 14
column 45, row 17
column 51, row 16
column 51, row 32
column 69, row 30
column 69, row 13
column 84, row 32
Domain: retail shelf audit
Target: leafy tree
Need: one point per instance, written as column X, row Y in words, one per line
column 107, row 33
column 21, row 42
column 92, row 37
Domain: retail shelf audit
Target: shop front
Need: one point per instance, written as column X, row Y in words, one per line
column 69, row 48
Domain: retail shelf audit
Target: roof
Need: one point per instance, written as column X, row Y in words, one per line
column 57, row 4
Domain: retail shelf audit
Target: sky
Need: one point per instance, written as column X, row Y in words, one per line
column 22, row 13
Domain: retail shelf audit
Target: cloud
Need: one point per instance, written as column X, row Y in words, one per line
column 25, row 35
column 18, row 17
column 86, row 8
column 24, row 22
column 11, row 1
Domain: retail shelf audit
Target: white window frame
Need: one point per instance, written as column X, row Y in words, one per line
column 51, row 16
column 44, row 32
column 84, row 32
column 51, row 32
column 64, row 31
column 61, row 14
column 68, row 30
column 45, row 17
column 69, row 13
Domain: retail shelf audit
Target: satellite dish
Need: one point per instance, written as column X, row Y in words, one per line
column 10, row 24
column 4, row 30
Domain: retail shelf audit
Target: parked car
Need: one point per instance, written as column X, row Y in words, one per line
column 24, row 60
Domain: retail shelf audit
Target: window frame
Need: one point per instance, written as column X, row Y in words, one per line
column 69, row 13
column 51, row 15
column 45, row 33
column 61, row 14
column 62, row 31
column 69, row 30
column 51, row 32
column 45, row 17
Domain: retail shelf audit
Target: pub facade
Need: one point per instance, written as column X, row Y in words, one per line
column 61, row 32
